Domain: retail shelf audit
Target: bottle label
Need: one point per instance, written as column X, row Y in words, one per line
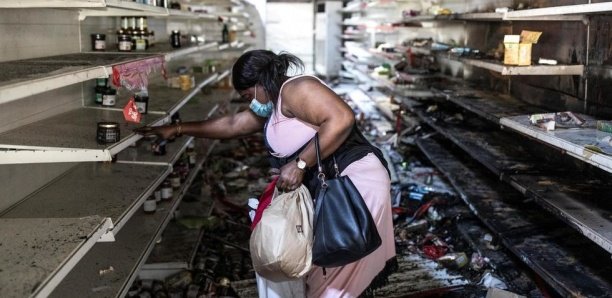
column 141, row 45
column 149, row 205
column 125, row 45
column 176, row 182
column 100, row 45
column 166, row 193
column 141, row 106
column 108, row 100
column 99, row 98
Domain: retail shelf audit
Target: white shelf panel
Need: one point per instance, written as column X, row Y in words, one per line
column 511, row 70
column 593, row 8
column 126, row 255
column 37, row 253
column 491, row 17
column 572, row 141
column 24, row 78
column 54, row 139
column 113, row 191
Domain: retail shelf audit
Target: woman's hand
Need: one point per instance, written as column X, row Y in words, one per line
column 290, row 177
column 165, row 132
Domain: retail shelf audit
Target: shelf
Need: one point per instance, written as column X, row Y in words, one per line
column 69, row 137
column 37, row 253
column 143, row 154
column 510, row 70
column 126, row 254
column 491, row 17
column 113, row 191
column 592, row 8
column 24, row 78
column 571, row 199
column 571, row 141
column 489, row 105
column 552, row 251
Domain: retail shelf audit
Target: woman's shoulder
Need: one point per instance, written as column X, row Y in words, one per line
column 301, row 83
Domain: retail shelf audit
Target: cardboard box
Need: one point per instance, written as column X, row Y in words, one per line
column 517, row 48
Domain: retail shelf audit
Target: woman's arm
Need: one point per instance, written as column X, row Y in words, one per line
column 312, row 102
column 226, row 127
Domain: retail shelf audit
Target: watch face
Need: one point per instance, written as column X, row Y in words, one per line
column 301, row 164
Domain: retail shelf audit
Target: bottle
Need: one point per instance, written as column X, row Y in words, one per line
column 191, row 155
column 101, row 85
column 225, row 34
column 175, row 39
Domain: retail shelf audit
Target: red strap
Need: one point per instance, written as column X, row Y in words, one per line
column 264, row 202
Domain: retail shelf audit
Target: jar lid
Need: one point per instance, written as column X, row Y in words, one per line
column 108, row 124
column 99, row 35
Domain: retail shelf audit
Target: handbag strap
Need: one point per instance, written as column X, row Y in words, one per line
column 321, row 174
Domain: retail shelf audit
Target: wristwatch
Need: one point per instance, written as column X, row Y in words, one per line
column 301, row 164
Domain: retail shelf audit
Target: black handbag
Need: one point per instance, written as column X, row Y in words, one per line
column 344, row 230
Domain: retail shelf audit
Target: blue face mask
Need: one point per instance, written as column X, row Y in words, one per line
column 260, row 109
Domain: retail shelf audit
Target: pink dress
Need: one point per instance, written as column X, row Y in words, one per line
column 285, row 136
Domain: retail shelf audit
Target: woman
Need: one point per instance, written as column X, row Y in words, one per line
column 291, row 110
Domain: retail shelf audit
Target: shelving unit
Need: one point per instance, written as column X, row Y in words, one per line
column 544, row 245
column 83, row 233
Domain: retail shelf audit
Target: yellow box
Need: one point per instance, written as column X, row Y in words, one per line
column 517, row 48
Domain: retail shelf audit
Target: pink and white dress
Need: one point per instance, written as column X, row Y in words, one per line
column 287, row 135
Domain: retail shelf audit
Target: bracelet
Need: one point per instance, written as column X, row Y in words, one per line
column 179, row 130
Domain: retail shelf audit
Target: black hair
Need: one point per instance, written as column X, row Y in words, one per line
column 264, row 68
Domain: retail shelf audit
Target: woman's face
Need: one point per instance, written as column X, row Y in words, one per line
column 254, row 92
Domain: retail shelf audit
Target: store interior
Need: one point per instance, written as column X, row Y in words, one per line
column 494, row 116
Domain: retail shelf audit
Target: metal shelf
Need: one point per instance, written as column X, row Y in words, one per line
column 37, row 253
column 510, row 70
column 489, row 105
column 541, row 243
column 571, row 141
column 24, row 78
column 69, row 137
column 113, row 191
column 143, row 154
column 491, row 17
column 571, row 199
column 125, row 255
column 592, row 8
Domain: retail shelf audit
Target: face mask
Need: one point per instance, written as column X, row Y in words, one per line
column 260, row 109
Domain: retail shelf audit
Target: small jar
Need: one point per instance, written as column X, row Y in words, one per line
column 142, row 102
column 191, row 156
column 166, row 190
column 185, row 82
column 183, row 170
column 175, row 179
column 108, row 133
column 140, row 42
column 98, row 42
column 158, row 194
column 150, row 205
column 109, row 97
column 175, row 39
column 125, row 43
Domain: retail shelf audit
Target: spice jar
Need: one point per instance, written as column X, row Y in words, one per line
column 185, row 82
column 175, row 179
column 107, row 133
column 166, row 190
column 142, row 102
column 125, row 43
column 175, row 39
column 191, row 155
column 149, row 205
column 158, row 194
column 109, row 97
column 98, row 42
column 183, row 170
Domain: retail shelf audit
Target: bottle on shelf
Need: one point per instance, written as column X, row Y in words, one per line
column 224, row 34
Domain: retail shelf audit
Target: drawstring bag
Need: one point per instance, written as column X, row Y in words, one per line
column 281, row 243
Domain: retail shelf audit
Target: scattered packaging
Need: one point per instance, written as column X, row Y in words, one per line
column 490, row 281
column 517, row 48
column 605, row 126
column 455, row 260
